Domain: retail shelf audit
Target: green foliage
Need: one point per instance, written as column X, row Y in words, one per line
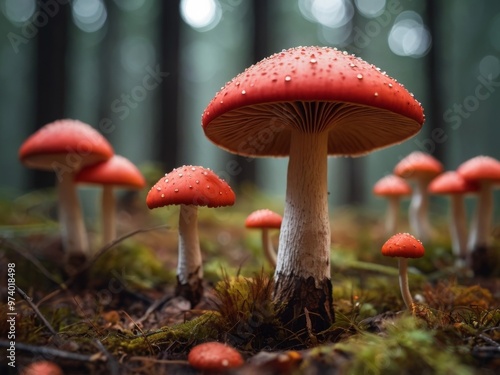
column 405, row 346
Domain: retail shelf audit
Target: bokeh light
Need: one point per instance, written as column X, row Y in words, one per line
column 409, row 36
column 19, row 11
column 89, row 15
column 201, row 15
column 370, row 8
column 330, row 13
column 489, row 67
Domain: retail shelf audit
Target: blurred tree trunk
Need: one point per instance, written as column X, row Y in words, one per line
column 50, row 73
column 167, row 141
column 354, row 167
column 260, row 49
column 434, row 107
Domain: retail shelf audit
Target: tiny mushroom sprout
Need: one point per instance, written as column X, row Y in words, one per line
column 66, row 146
column 452, row 184
column 403, row 246
column 265, row 219
column 117, row 171
column 307, row 103
column 190, row 186
column 484, row 171
column 392, row 188
column 419, row 168
column 214, row 357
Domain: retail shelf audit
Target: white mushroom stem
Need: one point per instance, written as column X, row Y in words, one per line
column 392, row 215
column 189, row 264
column 304, row 244
column 74, row 236
column 418, row 210
column 483, row 215
column 403, row 283
column 458, row 226
column 268, row 247
column 108, row 214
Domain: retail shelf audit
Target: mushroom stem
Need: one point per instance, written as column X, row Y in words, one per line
column 403, row 282
column 268, row 248
column 74, row 237
column 303, row 264
column 108, row 214
column 418, row 211
column 483, row 214
column 392, row 214
column 458, row 226
column 189, row 266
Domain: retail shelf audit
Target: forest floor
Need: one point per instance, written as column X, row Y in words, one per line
column 120, row 316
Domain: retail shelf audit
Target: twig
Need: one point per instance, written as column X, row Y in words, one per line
column 141, row 331
column 156, row 304
column 37, row 312
column 52, row 352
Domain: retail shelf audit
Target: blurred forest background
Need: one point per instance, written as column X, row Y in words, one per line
column 142, row 71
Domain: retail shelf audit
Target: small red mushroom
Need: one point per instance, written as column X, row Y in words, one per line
column 190, row 186
column 42, row 368
column 265, row 219
column 419, row 168
column 64, row 147
column 117, row 171
column 403, row 246
column 392, row 188
column 455, row 186
column 484, row 171
column 214, row 356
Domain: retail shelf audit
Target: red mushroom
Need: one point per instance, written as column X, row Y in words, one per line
column 392, row 188
column 308, row 103
column 190, row 186
column 214, row 357
column 42, row 368
column 419, row 168
column 403, row 246
column 484, row 171
column 455, row 186
column 65, row 146
column 117, row 171
column 265, row 219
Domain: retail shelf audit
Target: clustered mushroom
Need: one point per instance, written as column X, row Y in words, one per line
column 77, row 152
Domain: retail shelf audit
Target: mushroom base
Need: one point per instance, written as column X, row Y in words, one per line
column 192, row 290
column 305, row 304
column 480, row 261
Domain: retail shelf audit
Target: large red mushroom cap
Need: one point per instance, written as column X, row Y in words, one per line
column 403, row 245
column 362, row 108
column 190, row 185
column 391, row 186
column 55, row 142
column 418, row 165
column 263, row 219
column 480, row 168
column 42, row 368
column 116, row 171
column 214, row 356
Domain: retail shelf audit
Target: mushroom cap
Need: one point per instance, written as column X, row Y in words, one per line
column 214, row 356
column 451, row 182
column 117, row 171
column 391, row 186
column 480, row 168
column 190, row 185
column 403, row 245
column 42, row 368
column 311, row 89
column 69, row 142
column 263, row 219
column 419, row 165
